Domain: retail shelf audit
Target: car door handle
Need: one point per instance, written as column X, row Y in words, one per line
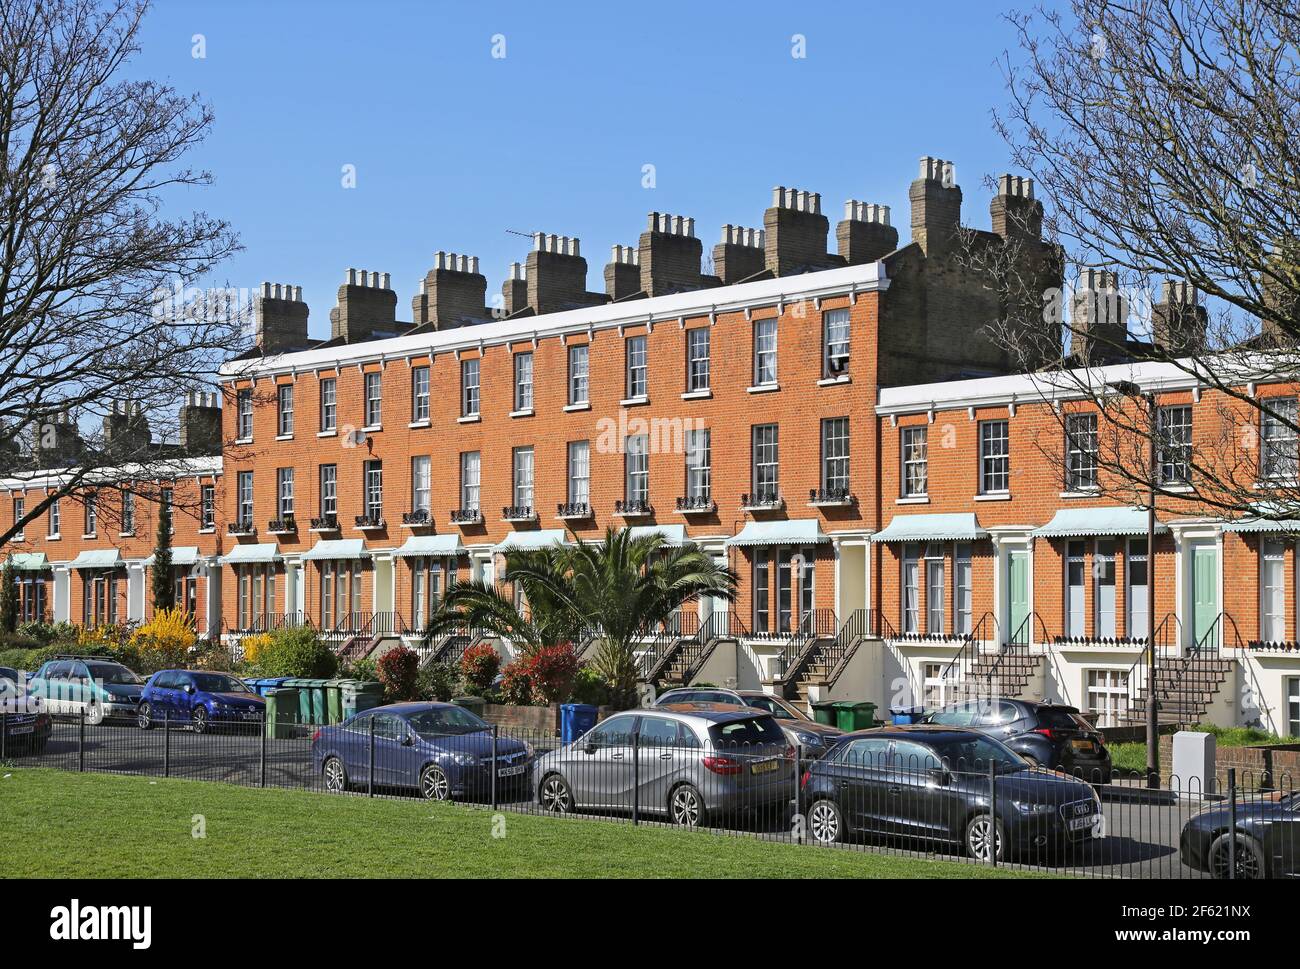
column 665, row 756
column 895, row 791
column 616, row 756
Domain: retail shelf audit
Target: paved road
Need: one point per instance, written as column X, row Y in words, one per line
column 1141, row 836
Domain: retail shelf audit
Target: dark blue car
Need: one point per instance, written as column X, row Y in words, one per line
column 198, row 698
column 439, row 749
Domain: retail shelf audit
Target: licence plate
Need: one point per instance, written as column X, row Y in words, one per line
column 511, row 771
column 765, row 766
column 1082, row 745
column 27, row 729
column 1079, row 824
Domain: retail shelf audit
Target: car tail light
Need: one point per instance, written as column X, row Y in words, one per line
column 42, row 719
column 789, row 753
column 1047, row 732
column 803, row 781
column 315, row 737
column 722, row 765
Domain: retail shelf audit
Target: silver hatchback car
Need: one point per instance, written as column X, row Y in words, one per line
column 686, row 761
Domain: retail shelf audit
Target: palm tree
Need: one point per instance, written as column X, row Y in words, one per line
column 621, row 589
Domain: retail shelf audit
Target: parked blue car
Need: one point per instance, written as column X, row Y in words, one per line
column 439, row 749
column 199, row 698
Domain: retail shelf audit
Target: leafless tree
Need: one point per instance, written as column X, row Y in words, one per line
column 98, row 313
column 1163, row 138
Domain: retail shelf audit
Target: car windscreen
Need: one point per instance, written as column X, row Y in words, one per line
column 752, row 730
column 973, row 754
column 440, row 721
column 771, row 706
column 219, row 683
column 110, row 674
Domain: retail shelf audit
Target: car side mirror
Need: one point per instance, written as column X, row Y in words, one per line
column 589, row 748
column 938, row 777
column 189, row 688
column 408, row 740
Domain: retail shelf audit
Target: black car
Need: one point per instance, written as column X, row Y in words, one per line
column 1268, row 838
column 26, row 726
column 1045, row 734
column 931, row 784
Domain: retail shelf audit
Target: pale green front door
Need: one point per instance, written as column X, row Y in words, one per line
column 1205, row 593
column 1017, row 595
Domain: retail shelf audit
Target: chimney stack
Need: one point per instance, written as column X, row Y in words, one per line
column 58, row 441
column 200, row 420
column 936, row 206
column 453, row 293
column 865, row 235
column 556, row 275
column 1099, row 317
column 1178, row 321
column 280, row 318
column 514, row 290
column 623, row 273
column 795, row 232
column 740, row 254
column 1014, row 211
column 669, row 255
column 367, row 307
column 126, row 429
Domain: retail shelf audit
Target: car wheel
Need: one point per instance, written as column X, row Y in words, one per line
column 825, row 822
column 555, row 796
column 984, row 839
column 144, row 716
column 686, row 807
column 335, row 775
column 434, row 785
column 1250, row 859
column 94, row 713
column 199, row 720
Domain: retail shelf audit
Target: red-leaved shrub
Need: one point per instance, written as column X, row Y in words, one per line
column 479, row 665
column 398, row 670
column 551, row 671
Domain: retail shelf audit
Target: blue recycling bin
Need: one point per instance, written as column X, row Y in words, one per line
column 263, row 685
column 905, row 715
column 575, row 720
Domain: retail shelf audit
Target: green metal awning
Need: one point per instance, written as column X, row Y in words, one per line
column 30, row 561
column 99, row 558
column 1250, row 525
column 800, row 531
column 181, row 555
column 960, row 527
column 255, row 554
column 431, row 545
column 1087, row 522
column 522, row 541
column 668, row 534
column 342, row 548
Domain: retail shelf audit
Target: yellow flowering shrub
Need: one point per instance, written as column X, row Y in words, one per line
column 165, row 641
column 254, row 646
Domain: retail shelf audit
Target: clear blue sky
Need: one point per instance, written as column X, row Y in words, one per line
column 452, row 146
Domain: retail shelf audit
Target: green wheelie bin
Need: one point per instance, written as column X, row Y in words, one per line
column 281, row 712
column 334, row 700
column 824, row 712
column 361, row 695
column 853, row 715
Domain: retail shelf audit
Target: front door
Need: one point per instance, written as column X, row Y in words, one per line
column 602, row 765
column 1205, row 594
column 1017, row 594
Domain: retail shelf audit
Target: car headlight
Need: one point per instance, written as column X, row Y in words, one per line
column 465, row 760
column 809, row 739
column 1032, row 807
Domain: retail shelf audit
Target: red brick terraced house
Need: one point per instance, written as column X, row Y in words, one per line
column 834, row 425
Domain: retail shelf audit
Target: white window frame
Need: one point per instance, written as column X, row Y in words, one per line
column 1175, row 443
column 1075, row 612
column 422, row 483
column 765, row 352
column 835, row 453
column 699, row 464
column 835, row 343
column 471, row 372
column 329, row 416
column 1291, row 698
column 579, row 375
column 522, row 463
column 56, row 520
column 963, row 592
column 995, row 457
column 935, row 606
column 765, row 461
column 697, row 362
column 1135, row 622
column 284, row 492
column 372, row 495
column 523, row 381
column 1272, row 591
column 579, row 463
column 244, row 498
column 284, row 410
column 636, row 464
column 244, row 415
column 419, row 395
column 374, row 402
column 471, row 480
column 636, row 354
column 1081, row 452
column 329, row 490
column 20, row 509
column 1107, row 691
column 909, row 587
column 1278, row 443
column 207, row 507
column 1105, row 624
column 914, row 456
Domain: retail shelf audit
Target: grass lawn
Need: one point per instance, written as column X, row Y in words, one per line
column 1133, row 756
column 132, row 827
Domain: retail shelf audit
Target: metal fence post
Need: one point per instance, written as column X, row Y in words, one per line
column 495, row 731
column 261, row 763
column 370, row 781
column 636, row 777
column 1232, row 822
column 993, row 812
column 798, row 791
column 167, row 744
column 81, row 741
column 4, row 733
